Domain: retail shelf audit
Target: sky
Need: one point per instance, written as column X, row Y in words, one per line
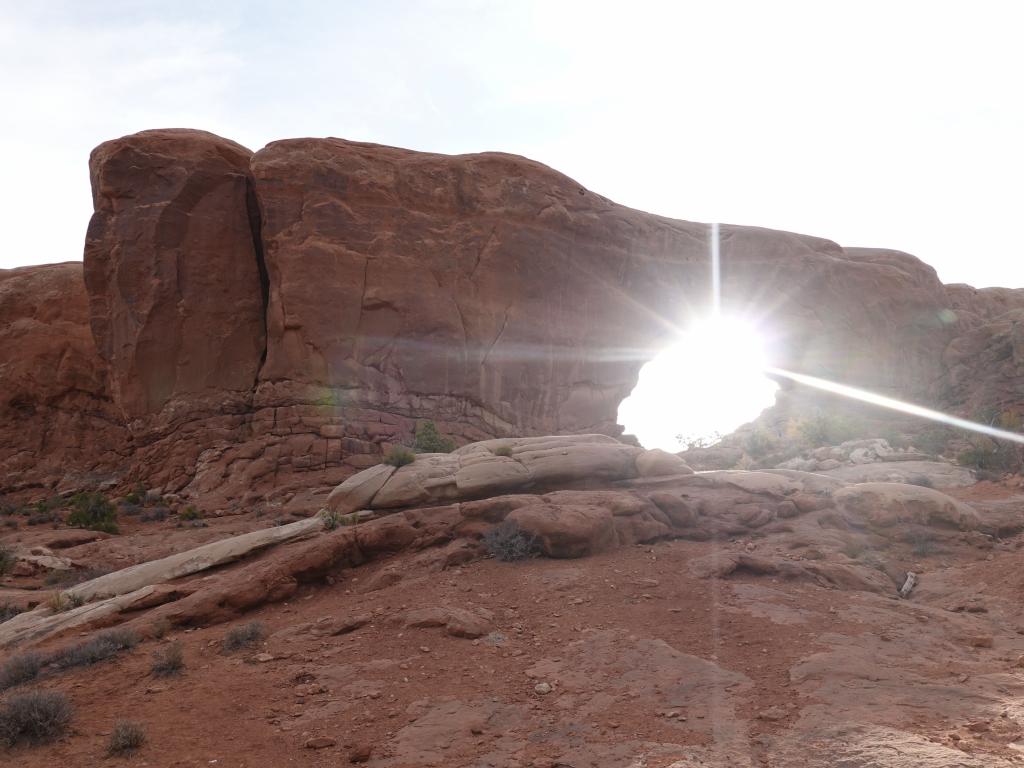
column 893, row 124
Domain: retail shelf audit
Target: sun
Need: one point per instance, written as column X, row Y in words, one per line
column 707, row 383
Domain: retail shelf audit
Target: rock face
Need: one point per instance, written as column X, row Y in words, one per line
column 172, row 270
column 269, row 323
column 56, row 418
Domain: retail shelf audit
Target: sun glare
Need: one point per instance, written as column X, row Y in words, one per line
column 710, row 381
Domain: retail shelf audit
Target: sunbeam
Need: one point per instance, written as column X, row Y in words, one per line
column 911, row 409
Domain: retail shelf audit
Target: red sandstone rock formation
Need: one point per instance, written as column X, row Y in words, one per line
column 270, row 320
column 57, row 423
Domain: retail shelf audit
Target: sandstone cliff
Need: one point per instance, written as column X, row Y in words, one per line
column 264, row 322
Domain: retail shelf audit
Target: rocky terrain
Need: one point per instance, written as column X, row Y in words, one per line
column 664, row 618
column 216, row 547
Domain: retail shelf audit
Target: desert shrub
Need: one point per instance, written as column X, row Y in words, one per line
column 399, row 456
column 933, row 439
column 429, row 440
column 93, row 512
column 44, row 517
column 334, row 519
column 157, row 514
column 58, row 602
column 126, row 738
column 34, row 717
column 169, row 661
column 159, row 628
column 8, row 611
column 44, row 505
column 244, row 636
column 136, row 496
column 128, row 509
column 922, row 480
column 9, row 508
column 825, row 429
column 991, row 457
column 760, row 442
column 70, row 578
column 190, row 513
column 96, row 649
column 7, row 560
column 502, row 450
column 20, row 669
column 508, row 542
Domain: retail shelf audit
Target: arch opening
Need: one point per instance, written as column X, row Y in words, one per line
column 706, row 383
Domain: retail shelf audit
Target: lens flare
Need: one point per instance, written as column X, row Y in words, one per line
column 709, row 382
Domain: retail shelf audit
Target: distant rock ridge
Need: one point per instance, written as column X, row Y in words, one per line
column 265, row 324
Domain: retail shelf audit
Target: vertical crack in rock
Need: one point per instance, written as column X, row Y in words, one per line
column 252, row 205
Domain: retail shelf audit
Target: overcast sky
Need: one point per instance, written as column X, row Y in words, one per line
column 894, row 124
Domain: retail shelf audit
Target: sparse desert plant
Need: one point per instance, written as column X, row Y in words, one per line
column 7, row 560
column 429, row 440
column 399, row 456
column 933, row 440
column 170, row 661
column 159, row 628
column 330, row 518
column 502, row 450
column 34, row 717
column 44, row 517
column 126, row 738
column 190, row 513
column 99, row 648
column 70, row 578
column 58, row 602
column 157, row 514
column 822, row 429
column 854, row 549
column 136, row 496
column 20, row 669
column 244, row 636
column 8, row 611
column 508, row 542
column 760, row 442
column 94, row 512
column 991, row 456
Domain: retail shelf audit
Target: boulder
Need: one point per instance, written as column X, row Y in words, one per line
column 888, row 504
column 656, row 462
column 358, row 491
column 566, row 531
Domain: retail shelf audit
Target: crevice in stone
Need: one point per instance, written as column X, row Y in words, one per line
column 252, row 207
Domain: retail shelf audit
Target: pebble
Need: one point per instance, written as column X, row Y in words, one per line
column 320, row 742
column 542, row 688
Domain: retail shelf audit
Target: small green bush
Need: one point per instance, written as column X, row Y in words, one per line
column 34, row 717
column 429, row 440
column 20, row 669
column 399, row 456
column 244, row 636
column 190, row 513
column 168, row 662
column 7, row 560
column 93, row 512
column 508, row 542
column 126, row 738
column 502, row 450
column 823, row 429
